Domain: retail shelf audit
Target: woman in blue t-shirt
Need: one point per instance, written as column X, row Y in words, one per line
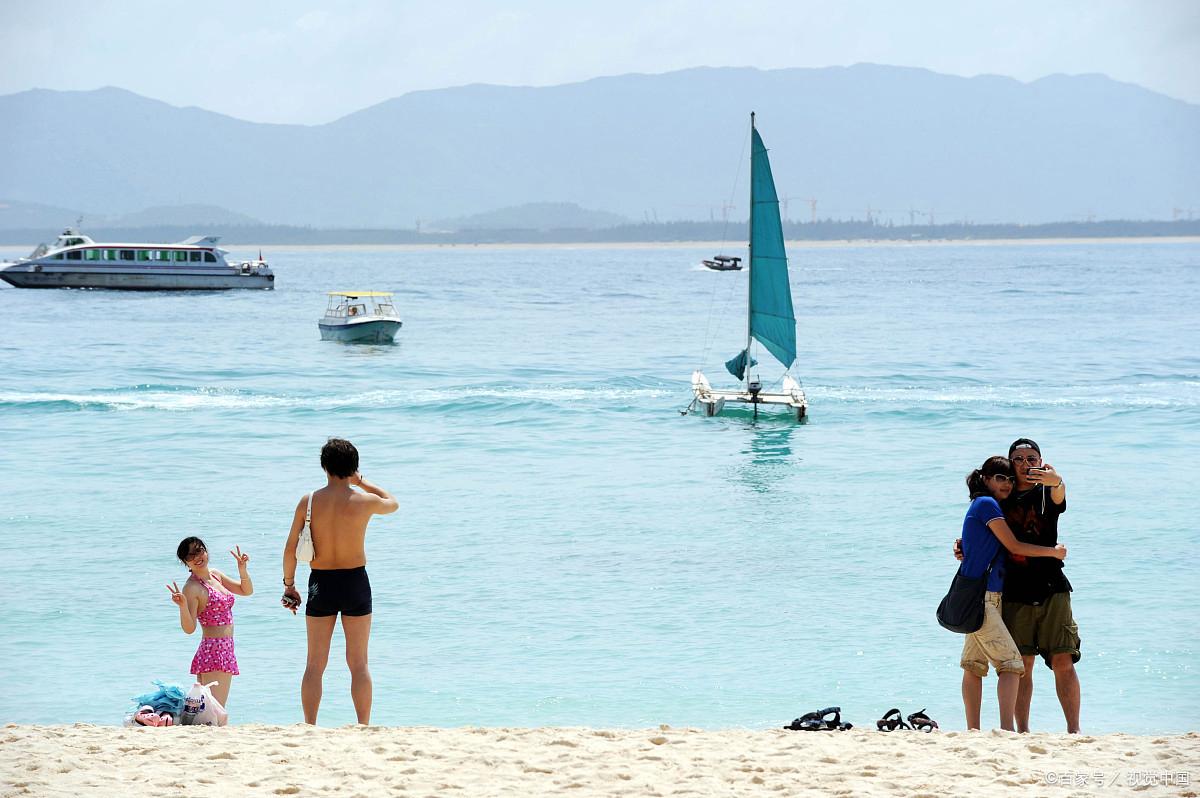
column 985, row 537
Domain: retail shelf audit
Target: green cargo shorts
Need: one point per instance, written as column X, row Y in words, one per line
column 1046, row 629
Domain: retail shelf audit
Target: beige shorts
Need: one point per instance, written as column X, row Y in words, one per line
column 992, row 643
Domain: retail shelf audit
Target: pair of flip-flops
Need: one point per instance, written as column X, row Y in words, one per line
column 823, row 720
column 919, row 721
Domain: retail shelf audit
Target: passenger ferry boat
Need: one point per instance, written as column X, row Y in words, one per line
column 76, row 261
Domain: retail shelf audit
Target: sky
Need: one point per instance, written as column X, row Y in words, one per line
column 306, row 62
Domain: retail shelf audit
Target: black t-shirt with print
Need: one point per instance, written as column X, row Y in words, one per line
column 1032, row 515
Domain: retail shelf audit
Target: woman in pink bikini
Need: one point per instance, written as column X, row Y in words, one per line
column 207, row 598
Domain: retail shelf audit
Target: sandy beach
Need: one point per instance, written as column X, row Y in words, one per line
column 257, row 760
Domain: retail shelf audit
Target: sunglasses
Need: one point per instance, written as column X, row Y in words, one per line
column 1003, row 477
column 1032, row 459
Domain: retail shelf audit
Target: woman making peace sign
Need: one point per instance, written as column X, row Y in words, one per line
column 207, row 598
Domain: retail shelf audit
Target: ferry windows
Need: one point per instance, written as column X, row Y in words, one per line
column 126, row 254
column 75, row 255
column 179, row 257
column 110, row 254
column 91, row 254
column 208, row 258
column 195, row 257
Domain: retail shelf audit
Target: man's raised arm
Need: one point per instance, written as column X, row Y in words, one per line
column 386, row 502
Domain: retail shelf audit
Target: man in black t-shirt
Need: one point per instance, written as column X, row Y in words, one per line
column 1037, row 595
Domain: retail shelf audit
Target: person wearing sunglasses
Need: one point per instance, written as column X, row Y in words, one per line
column 986, row 540
column 206, row 600
column 1037, row 594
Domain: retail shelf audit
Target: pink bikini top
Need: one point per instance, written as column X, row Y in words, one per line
column 219, row 609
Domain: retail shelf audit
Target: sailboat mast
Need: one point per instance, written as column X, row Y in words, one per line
column 750, row 260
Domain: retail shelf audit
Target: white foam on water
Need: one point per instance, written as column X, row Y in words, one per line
column 208, row 399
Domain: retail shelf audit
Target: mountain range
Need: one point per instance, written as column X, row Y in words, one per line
column 898, row 142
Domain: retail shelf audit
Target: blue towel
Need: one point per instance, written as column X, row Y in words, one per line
column 167, row 698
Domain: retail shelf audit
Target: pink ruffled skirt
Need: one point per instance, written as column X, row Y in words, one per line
column 215, row 654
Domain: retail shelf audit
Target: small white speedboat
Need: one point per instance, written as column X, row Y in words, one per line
column 360, row 317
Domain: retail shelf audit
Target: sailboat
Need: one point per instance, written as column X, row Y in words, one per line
column 769, row 316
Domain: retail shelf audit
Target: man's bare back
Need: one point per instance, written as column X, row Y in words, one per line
column 339, row 523
column 338, row 584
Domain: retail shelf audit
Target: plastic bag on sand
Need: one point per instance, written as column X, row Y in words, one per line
column 201, row 709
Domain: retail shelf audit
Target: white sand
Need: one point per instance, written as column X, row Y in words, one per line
column 255, row 760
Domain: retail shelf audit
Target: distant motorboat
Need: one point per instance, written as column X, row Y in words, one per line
column 76, row 261
column 724, row 263
column 360, row 317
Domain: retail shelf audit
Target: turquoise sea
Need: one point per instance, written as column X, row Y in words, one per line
column 570, row 550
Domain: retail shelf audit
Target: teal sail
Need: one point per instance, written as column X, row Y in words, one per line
column 772, row 320
column 737, row 365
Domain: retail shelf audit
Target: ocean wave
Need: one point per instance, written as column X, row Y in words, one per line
column 1141, row 395
column 183, row 400
column 1164, row 394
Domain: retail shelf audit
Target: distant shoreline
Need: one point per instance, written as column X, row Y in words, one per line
column 716, row 245
column 669, row 234
column 865, row 243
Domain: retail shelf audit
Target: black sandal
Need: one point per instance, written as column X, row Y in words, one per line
column 816, row 721
column 922, row 722
column 888, row 723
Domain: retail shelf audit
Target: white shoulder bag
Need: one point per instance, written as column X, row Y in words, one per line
column 304, row 547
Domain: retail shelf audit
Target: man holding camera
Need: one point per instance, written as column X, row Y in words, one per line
column 1037, row 595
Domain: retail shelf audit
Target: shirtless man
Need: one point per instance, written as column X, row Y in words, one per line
column 338, row 582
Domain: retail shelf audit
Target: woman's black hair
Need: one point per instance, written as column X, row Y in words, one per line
column 185, row 548
column 990, row 468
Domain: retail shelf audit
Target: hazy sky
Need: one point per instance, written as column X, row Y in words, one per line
column 308, row 62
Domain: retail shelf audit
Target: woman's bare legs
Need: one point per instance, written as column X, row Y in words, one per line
column 1006, row 692
column 972, row 695
column 220, row 690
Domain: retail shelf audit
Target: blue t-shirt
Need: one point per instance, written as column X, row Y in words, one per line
column 980, row 546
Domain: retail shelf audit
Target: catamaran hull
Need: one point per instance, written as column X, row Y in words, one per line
column 714, row 405
column 713, row 401
column 31, row 277
column 378, row 331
